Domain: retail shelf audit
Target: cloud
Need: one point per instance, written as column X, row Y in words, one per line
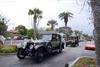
column 17, row 11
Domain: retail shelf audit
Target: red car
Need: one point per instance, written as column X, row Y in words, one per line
column 90, row 47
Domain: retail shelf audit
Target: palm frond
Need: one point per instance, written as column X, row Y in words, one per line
column 40, row 16
column 30, row 12
column 52, row 22
column 70, row 14
column 61, row 15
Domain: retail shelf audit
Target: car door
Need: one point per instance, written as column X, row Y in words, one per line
column 58, row 40
column 54, row 41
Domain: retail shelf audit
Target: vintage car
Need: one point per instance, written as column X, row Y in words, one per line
column 72, row 41
column 46, row 45
column 90, row 47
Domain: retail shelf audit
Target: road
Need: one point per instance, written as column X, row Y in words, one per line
column 68, row 55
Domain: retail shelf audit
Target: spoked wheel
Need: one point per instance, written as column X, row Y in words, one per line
column 21, row 53
column 39, row 55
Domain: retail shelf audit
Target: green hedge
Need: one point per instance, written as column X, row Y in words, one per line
column 85, row 62
column 7, row 48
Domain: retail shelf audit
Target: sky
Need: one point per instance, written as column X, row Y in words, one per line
column 17, row 12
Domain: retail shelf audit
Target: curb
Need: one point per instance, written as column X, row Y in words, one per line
column 7, row 53
column 70, row 65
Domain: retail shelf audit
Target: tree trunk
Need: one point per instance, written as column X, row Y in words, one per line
column 95, row 4
column 66, row 30
column 52, row 27
column 65, row 24
column 35, row 29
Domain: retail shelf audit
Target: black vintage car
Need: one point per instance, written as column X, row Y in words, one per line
column 48, row 44
column 72, row 41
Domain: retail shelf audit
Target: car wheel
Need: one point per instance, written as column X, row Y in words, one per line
column 20, row 53
column 39, row 55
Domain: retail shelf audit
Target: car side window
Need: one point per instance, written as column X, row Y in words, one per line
column 54, row 37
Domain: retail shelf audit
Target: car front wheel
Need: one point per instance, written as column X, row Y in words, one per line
column 21, row 53
column 39, row 55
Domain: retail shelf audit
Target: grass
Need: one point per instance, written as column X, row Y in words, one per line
column 7, row 48
column 85, row 62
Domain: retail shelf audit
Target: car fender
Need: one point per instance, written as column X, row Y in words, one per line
column 38, row 46
column 19, row 45
column 22, row 45
column 43, row 44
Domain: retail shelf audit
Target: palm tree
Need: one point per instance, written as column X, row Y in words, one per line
column 77, row 32
column 64, row 16
column 52, row 23
column 37, row 14
column 95, row 5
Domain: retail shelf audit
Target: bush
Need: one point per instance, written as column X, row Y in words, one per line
column 7, row 48
column 85, row 62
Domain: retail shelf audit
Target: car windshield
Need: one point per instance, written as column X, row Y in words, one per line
column 46, row 37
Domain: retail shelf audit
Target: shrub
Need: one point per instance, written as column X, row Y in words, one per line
column 85, row 62
column 7, row 48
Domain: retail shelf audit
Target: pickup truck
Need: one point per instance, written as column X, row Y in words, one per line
column 72, row 41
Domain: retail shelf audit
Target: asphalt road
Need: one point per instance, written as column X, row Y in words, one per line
column 68, row 55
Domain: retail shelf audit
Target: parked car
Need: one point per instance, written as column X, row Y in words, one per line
column 72, row 41
column 90, row 47
column 47, row 44
column 2, row 39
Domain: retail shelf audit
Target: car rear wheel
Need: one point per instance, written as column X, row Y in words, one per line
column 21, row 53
column 39, row 55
